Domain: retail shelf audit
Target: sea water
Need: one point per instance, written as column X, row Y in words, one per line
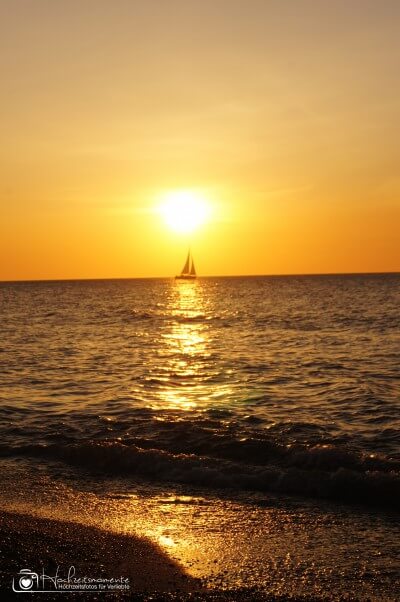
column 249, row 389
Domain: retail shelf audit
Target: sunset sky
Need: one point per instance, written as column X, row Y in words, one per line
column 282, row 115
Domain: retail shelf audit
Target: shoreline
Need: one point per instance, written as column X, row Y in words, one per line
column 41, row 545
column 215, row 550
column 45, row 544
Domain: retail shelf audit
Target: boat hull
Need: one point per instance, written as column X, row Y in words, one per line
column 186, row 277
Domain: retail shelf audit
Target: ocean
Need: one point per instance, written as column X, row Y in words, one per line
column 271, row 393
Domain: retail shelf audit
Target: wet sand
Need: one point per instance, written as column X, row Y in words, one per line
column 44, row 544
column 179, row 544
column 38, row 544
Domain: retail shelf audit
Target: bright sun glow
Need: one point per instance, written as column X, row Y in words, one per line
column 184, row 210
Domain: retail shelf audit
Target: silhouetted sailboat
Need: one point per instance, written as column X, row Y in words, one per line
column 188, row 271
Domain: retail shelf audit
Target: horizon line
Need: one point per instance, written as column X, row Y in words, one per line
column 288, row 275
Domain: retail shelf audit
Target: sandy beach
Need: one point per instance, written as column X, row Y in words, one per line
column 171, row 546
column 47, row 544
column 144, row 570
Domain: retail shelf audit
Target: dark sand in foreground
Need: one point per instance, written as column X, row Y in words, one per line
column 41, row 544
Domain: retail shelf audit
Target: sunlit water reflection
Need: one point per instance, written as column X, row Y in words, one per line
column 184, row 350
column 253, row 384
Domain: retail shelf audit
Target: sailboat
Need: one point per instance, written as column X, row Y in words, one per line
column 188, row 271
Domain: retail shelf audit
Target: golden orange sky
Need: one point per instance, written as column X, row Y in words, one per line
column 283, row 114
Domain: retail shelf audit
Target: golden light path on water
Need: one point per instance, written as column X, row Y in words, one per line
column 185, row 354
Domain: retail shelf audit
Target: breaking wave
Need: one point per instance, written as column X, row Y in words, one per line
column 319, row 472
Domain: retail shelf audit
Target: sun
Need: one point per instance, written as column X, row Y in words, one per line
column 184, row 210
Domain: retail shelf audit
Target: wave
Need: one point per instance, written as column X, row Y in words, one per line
column 320, row 472
column 188, row 317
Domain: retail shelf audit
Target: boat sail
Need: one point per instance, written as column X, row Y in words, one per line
column 188, row 271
